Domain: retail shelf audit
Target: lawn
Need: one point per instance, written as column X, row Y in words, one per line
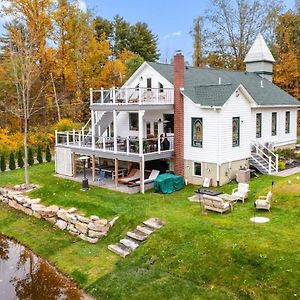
column 195, row 255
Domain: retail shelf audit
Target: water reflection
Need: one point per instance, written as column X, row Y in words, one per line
column 23, row 275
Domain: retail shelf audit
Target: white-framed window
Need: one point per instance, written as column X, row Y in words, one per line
column 134, row 121
column 235, row 131
column 274, row 123
column 287, row 122
column 197, row 169
column 258, row 125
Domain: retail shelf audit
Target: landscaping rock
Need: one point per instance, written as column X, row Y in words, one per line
column 83, row 219
column 137, row 235
column 131, row 243
column 154, row 223
column 96, row 234
column 88, row 239
column 61, row 224
column 94, row 218
column 50, row 211
column 145, row 229
column 120, row 249
column 51, row 220
column 38, row 207
column 81, row 227
column 112, row 222
column 96, row 227
column 14, row 204
column 72, row 210
column 37, row 215
column 34, row 201
column 62, row 214
column 101, row 222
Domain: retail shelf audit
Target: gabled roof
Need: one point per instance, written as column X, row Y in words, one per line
column 201, row 85
column 259, row 51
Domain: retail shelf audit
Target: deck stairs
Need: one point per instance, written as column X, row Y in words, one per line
column 263, row 159
column 103, row 120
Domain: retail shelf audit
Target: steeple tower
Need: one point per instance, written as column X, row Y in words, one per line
column 259, row 59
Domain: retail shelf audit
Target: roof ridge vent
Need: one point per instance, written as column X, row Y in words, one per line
column 220, row 80
column 261, row 84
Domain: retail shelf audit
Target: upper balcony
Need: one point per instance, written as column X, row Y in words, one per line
column 132, row 98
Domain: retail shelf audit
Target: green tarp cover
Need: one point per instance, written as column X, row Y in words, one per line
column 168, row 183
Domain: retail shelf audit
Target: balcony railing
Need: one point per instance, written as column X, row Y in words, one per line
column 129, row 145
column 129, row 96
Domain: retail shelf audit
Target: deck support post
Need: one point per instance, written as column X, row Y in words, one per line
column 142, row 175
column 141, row 132
column 93, row 168
column 74, row 164
column 115, row 131
column 116, row 171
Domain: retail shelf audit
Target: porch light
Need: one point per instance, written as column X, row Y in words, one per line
column 85, row 181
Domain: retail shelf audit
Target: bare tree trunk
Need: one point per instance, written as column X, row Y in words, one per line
column 55, row 97
column 26, row 175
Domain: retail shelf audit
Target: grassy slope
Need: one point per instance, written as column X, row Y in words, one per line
column 195, row 256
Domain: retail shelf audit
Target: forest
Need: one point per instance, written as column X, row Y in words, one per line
column 52, row 52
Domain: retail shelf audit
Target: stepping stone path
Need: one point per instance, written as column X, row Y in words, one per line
column 134, row 238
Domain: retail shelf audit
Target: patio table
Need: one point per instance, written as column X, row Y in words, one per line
column 111, row 171
column 229, row 198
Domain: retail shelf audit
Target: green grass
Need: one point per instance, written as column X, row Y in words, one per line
column 195, row 256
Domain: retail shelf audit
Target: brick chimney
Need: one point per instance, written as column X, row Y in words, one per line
column 178, row 63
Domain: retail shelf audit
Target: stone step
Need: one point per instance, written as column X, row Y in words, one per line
column 137, row 235
column 130, row 243
column 120, row 249
column 145, row 229
column 154, row 223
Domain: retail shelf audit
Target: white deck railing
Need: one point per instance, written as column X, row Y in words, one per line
column 129, row 96
column 129, row 145
column 266, row 155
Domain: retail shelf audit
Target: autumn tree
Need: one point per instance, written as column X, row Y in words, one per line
column 287, row 50
column 197, row 37
column 232, row 27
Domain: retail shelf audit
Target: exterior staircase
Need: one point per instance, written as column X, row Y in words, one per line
column 103, row 120
column 263, row 159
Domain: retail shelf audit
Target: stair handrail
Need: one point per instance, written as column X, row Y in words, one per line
column 268, row 170
column 271, row 162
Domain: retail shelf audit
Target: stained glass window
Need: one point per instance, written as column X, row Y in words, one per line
column 197, row 132
column 258, row 125
column 235, row 131
column 287, row 121
column 274, row 123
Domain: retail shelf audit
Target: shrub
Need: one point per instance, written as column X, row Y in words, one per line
column 298, row 155
column 30, row 157
column 20, row 159
column 285, row 153
column 39, row 156
column 66, row 125
column 48, row 154
column 281, row 165
column 12, row 162
column 3, row 163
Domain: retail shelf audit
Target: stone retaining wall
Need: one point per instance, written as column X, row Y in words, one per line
column 88, row 229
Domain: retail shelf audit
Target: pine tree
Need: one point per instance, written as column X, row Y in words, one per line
column 48, row 154
column 30, row 157
column 39, row 155
column 12, row 162
column 2, row 163
column 20, row 159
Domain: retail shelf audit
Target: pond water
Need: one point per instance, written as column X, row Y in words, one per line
column 23, row 275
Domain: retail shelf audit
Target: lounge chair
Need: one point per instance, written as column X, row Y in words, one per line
column 241, row 191
column 264, row 202
column 133, row 175
column 216, row 204
column 151, row 178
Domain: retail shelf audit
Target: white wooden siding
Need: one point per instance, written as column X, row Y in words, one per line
column 235, row 107
column 209, row 152
column 281, row 138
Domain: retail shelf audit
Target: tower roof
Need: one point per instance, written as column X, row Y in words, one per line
column 259, row 51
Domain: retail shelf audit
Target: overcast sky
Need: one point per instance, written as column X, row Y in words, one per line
column 170, row 20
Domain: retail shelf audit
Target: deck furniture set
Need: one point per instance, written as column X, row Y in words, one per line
column 219, row 202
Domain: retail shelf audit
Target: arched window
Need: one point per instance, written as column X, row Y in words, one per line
column 197, row 132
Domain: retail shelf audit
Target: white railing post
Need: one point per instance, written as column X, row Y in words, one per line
column 114, row 95
column 104, row 146
column 127, row 145
column 102, row 95
column 79, row 137
column 74, row 137
column 56, row 136
column 157, row 94
column 276, row 162
column 82, row 133
column 270, row 165
column 126, row 95
column 140, row 96
column 141, row 132
column 158, row 144
column 68, row 141
column 91, row 96
column 115, row 131
column 93, row 130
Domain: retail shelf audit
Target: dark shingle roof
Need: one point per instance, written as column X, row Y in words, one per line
column 201, row 86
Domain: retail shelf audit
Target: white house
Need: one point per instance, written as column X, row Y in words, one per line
column 198, row 122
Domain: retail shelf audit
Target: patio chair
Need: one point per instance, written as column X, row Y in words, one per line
column 151, row 178
column 264, row 202
column 241, row 191
column 101, row 177
column 133, row 175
